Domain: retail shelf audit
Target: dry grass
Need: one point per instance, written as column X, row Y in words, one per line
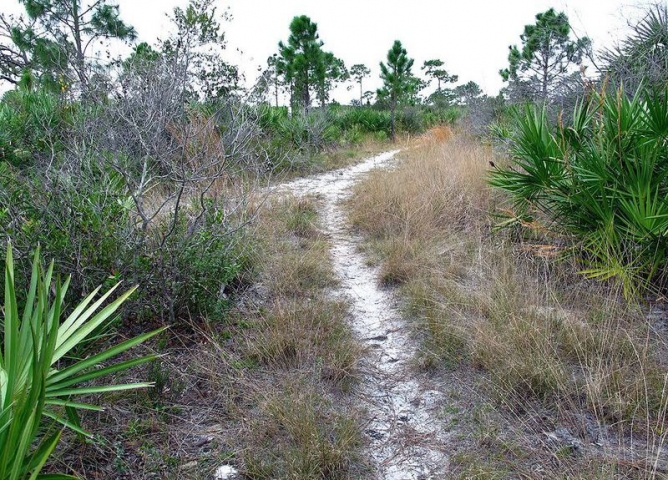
column 299, row 426
column 300, row 434
column 264, row 388
column 554, row 353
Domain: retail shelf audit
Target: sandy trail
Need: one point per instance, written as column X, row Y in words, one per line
column 405, row 433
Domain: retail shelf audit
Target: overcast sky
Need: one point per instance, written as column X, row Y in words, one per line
column 470, row 36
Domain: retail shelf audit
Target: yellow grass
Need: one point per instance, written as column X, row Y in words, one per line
column 546, row 341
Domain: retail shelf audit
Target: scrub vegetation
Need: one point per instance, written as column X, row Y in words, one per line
column 524, row 236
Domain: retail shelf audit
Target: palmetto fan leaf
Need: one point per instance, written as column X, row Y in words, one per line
column 35, row 381
column 601, row 179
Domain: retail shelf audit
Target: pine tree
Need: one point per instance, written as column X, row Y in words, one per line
column 433, row 69
column 397, row 78
column 359, row 72
column 55, row 41
column 546, row 55
column 300, row 58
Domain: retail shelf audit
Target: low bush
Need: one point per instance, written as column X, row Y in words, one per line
column 32, row 126
column 82, row 221
column 187, row 261
column 599, row 180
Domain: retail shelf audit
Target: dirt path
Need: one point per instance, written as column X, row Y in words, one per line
column 405, row 432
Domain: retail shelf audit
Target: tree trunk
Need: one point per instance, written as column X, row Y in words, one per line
column 306, row 98
column 546, row 63
column 394, row 107
column 276, row 89
column 361, row 94
column 76, row 32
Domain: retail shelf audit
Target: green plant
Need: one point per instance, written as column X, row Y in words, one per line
column 547, row 53
column 59, row 40
column 32, row 126
column 38, row 381
column 82, row 221
column 396, row 76
column 600, row 180
column 305, row 66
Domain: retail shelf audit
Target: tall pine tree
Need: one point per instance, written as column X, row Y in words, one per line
column 55, row 42
column 545, row 57
column 397, row 78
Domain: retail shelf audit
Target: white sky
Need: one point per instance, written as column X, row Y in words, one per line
column 470, row 36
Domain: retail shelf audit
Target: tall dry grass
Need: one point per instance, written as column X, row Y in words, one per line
column 297, row 421
column 553, row 351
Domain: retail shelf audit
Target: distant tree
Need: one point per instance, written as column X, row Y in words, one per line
column 268, row 83
column 367, row 97
column 142, row 53
column 397, row 78
column 300, row 60
column 433, row 69
column 328, row 72
column 195, row 50
column 415, row 86
column 272, row 71
column 359, row 72
column 545, row 57
column 467, row 92
column 57, row 38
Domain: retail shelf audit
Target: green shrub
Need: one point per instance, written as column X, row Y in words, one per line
column 82, row 221
column 34, row 385
column 364, row 119
column 410, row 120
column 601, row 180
column 192, row 272
column 87, row 224
column 32, row 126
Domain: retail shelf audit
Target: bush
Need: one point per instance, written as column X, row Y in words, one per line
column 305, row 133
column 186, row 260
column 32, row 126
column 189, row 272
column 409, row 120
column 363, row 119
column 81, row 219
column 602, row 180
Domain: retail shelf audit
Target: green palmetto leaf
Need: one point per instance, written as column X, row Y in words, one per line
column 602, row 180
column 32, row 388
column 41, row 455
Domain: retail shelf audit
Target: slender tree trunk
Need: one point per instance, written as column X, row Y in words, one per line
column 76, row 32
column 276, row 89
column 544, row 86
column 306, row 97
column 361, row 94
column 394, row 108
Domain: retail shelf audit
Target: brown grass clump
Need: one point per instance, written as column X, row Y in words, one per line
column 300, row 434
column 306, row 357
column 293, row 334
column 554, row 352
column 440, row 186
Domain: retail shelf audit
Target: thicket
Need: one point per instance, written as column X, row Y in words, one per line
column 340, row 125
column 139, row 188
